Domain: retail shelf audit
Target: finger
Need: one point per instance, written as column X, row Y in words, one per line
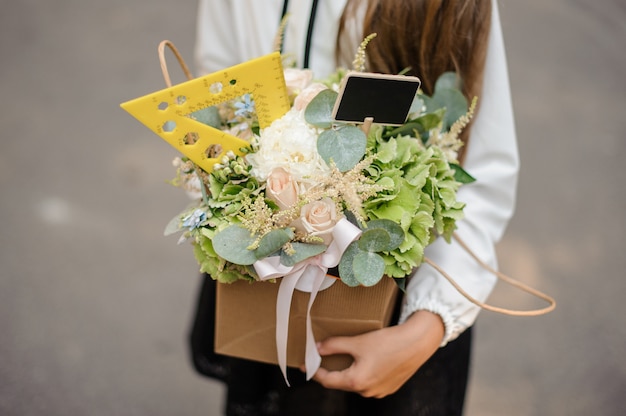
column 337, row 345
column 339, row 380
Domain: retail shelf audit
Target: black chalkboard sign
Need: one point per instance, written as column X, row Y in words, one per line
column 385, row 98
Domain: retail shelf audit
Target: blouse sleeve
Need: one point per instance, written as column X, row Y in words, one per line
column 492, row 158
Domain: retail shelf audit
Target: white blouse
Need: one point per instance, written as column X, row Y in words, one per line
column 233, row 31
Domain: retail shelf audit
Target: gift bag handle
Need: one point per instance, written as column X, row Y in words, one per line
column 181, row 61
column 501, row 276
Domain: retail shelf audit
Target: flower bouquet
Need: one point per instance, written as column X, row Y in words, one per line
column 392, row 189
column 310, row 194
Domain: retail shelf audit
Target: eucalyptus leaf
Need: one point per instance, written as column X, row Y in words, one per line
column 401, row 283
column 396, row 233
column 368, row 268
column 319, row 112
column 461, row 175
column 374, row 240
column 232, row 244
column 447, row 81
column 173, row 226
column 302, row 251
column 350, row 217
column 272, row 242
column 345, row 146
column 346, row 270
column 416, row 105
column 407, row 129
column 422, row 125
column 209, row 116
column 452, row 100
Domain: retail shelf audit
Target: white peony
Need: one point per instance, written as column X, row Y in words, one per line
column 289, row 143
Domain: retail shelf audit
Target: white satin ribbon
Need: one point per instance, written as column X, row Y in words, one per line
column 306, row 276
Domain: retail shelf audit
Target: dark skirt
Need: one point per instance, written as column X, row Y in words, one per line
column 437, row 388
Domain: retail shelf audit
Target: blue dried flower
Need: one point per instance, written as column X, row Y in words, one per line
column 245, row 108
column 194, row 219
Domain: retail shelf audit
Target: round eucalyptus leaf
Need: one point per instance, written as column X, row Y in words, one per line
column 368, row 268
column 209, row 116
column 346, row 272
column 302, row 252
column 173, row 226
column 272, row 242
column 452, row 100
column 374, row 240
column 345, row 146
column 448, row 81
column 319, row 112
column 232, row 244
column 416, row 105
column 396, row 233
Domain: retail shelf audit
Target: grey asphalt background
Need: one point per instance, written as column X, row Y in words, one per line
column 95, row 303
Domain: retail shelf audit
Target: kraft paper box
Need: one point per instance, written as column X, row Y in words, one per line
column 245, row 324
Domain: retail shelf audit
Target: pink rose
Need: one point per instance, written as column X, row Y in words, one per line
column 319, row 218
column 281, row 188
column 306, row 95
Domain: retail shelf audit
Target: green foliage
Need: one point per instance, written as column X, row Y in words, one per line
column 343, row 146
column 301, row 252
column 421, row 202
column 461, row 175
column 272, row 242
column 419, row 127
column 414, row 200
column 374, row 240
column 232, row 244
column 364, row 261
column 368, row 268
column 447, row 96
column 319, row 111
column 209, row 116
column 392, row 229
column 346, row 265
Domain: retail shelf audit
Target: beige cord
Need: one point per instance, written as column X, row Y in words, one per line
column 180, row 59
column 501, row 276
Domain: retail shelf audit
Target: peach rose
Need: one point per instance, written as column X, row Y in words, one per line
column 281, row 188
column 243, row 131
column 297, row 79
column 319, row 218
column 306, row 95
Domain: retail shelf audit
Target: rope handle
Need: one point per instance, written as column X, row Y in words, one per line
column 501, row 276
column 180, row 59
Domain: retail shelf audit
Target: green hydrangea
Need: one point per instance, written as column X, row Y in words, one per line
column 422, row 199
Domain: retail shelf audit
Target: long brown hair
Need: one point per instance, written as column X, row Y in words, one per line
column 428, row 36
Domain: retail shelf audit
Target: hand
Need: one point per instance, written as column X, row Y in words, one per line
column 383, row 359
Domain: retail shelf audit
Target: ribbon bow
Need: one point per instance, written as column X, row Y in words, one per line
column 307, row 276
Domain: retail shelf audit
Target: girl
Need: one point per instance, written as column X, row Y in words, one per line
column 419, row 366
